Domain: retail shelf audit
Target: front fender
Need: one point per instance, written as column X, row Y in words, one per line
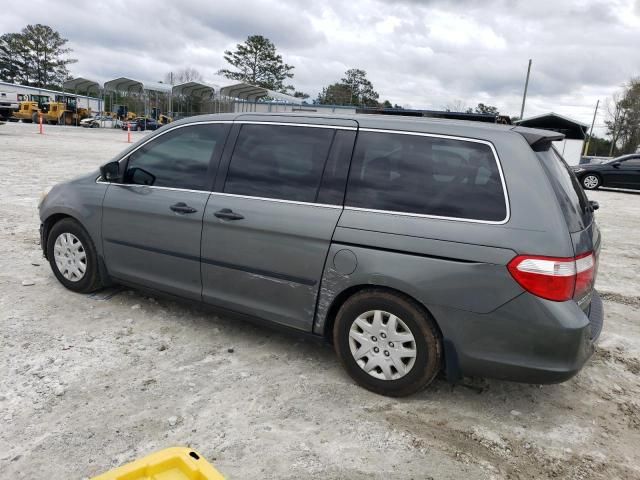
column 80, row 199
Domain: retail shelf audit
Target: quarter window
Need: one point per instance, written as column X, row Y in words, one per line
column 275, row 161
column 426, row 175
column 180, row 158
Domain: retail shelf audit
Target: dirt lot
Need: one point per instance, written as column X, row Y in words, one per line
column 90, row 382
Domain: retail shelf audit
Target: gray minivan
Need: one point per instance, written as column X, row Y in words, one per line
column 415, row 245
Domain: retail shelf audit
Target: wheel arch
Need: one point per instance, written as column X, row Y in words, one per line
column 48, row 223
column 348, row 292
column 450, row 363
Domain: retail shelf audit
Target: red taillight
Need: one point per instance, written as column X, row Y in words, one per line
column 557, row 279
column 585, row 274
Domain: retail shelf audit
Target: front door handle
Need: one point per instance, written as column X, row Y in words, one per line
column 182, row 207
column 228, row 214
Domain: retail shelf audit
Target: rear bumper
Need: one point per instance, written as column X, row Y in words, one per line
column 527, row 340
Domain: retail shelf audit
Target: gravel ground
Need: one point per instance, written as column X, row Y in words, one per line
column 90, row 382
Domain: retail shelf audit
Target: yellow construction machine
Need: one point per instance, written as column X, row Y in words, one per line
column 123, row 113
column 160, row 117
column 29, row 107
column 64, row 111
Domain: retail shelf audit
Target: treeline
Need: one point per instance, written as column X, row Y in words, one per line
column 36, row 56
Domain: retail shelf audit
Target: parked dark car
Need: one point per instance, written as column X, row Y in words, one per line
column 141, row 124
column 414, row 245
column 621, row 172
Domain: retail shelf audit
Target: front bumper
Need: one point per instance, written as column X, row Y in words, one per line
column 527, row 340
column 43, row 242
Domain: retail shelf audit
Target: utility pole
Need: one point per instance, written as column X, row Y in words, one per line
column 526, row 86
column 595, row 112
column 170, row 112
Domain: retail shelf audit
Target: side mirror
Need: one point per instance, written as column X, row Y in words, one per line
column 594, row 205
column 110, row 172
column 616, row 164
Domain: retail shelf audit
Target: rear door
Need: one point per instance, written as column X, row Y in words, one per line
column 268, row 227
column 152, row 222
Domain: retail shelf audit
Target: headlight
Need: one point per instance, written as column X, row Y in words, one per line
column 578, row 169
column 43, row 195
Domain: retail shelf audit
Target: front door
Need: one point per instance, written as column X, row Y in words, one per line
column 266, row 234
column 152, row 221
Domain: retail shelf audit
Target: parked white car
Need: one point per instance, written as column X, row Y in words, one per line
column 100, row 121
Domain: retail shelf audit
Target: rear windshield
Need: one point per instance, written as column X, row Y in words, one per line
column 571, row 197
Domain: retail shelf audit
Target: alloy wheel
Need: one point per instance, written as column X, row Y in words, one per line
column 590, row 181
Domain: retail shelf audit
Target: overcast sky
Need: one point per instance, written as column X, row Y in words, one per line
column 423, row 54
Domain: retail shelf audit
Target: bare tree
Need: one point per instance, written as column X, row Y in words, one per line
column 455, row 106
column 623, row 122
column 615, row 118
column 184, row 75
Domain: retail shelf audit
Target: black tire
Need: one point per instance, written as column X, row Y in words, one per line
column 422, row 326
column 62, row 119
column 90, row 282
column 35, row 118
column 591, row 181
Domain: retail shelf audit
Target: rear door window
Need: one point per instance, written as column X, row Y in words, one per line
column 569, row 193
column 426, row 175
column 276, row 161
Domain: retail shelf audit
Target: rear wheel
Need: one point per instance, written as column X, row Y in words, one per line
column 73, row 257
column 591, row 181
column 387, row 342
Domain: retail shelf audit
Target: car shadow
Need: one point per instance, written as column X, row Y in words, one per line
column 315, row 350
column 620, row 190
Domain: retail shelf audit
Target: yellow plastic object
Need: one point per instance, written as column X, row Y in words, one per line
column 176, row 463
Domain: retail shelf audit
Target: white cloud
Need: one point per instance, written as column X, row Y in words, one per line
column 421, row 53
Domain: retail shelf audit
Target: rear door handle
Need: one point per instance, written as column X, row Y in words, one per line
column 228, row 214
column 182, row 207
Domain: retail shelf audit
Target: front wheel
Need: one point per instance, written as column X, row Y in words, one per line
column 73, row 257
column 591, row 182
column 387, row 342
